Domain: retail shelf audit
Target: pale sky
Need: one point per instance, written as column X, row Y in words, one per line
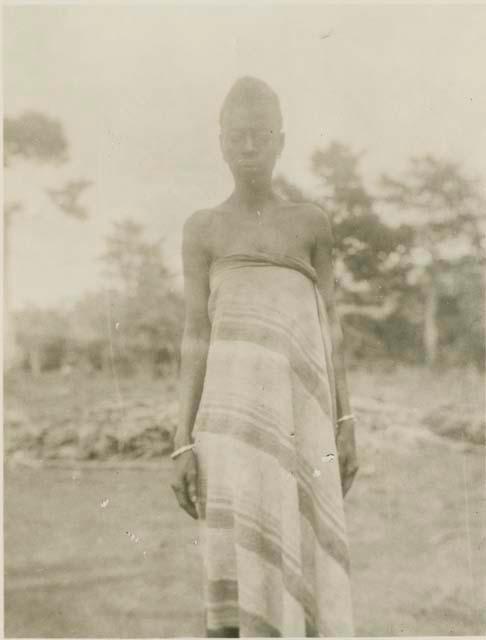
column 138, row 89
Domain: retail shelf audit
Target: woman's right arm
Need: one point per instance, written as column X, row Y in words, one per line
column 195, row 339
column 194, row 352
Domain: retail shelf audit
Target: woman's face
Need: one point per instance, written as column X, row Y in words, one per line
column 251, row 141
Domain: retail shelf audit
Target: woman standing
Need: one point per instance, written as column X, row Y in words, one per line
column 264, row 407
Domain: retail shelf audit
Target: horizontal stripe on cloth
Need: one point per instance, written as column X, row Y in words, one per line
column 223, row 632
column 330, row 542
column 264, row 259
column 296, row 338
column 273, row 340
column 271, row 445
column 252, row 417
column 267, row 592
column 221, row 514
column 220, row 591
column 262, row 441
column 259, row 626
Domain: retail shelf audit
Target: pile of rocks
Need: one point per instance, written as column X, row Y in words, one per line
column 463, row 424
column 135, row 428
column 458, row 423
column 143, row 427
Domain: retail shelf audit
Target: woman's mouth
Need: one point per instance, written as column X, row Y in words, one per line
column 248, row 164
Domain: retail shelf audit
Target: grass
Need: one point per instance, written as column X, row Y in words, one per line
column 76, row 568
column 94, row 552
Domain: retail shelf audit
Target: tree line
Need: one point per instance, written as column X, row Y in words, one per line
column 409, row 257
column 409, row 261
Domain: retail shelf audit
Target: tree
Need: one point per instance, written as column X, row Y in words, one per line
column 370, row 255
column 42, row 335
column 89, row 332
column 444, row 209
column 35, row 138
column 145, row 314
column 369, row 252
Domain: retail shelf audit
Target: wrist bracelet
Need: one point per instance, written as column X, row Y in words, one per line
column 183, row 449
column 350, row 416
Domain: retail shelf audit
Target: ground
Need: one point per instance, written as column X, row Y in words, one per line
column 103, row 551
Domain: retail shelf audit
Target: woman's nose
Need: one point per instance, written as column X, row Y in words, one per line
column 248, row 144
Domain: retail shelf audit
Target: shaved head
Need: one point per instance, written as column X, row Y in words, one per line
column 251, row 93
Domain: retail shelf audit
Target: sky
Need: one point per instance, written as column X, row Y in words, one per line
column 138, row 90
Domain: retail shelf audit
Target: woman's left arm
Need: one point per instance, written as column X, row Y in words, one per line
column 323, row 264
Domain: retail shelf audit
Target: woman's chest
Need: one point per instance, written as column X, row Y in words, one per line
column 260, row 233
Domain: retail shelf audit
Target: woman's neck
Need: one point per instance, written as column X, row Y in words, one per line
column 252, row 197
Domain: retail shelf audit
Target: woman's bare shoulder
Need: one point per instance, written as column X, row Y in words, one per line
column 317, row 217
column 305, row 207
column 198, row 220
column 197, row 226
column 314, row 223
column 309, row 214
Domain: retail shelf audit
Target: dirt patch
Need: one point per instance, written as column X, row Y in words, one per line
column 107, row 553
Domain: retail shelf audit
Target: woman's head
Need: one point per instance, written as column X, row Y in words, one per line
column 251, row 93
column 251, row 129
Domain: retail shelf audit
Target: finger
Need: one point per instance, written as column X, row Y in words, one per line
column 188, row 507
column 349, row 479
column 191, row 485
column 184, row 502
column 191, row 495
column 352, row 469
column 180, row 495
column 192, row 511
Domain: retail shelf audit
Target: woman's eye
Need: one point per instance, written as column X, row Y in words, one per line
column 262, row 137
column 236, row 138
column 259, row 138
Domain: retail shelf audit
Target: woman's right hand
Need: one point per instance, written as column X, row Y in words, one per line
column 348, row 460
column 184, row 482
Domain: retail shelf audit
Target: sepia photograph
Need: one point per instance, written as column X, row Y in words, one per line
column 244, row 317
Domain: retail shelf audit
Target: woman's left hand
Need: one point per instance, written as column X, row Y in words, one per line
column 348, row 459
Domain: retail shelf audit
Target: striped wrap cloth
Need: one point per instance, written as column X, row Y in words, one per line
column 272, row 525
